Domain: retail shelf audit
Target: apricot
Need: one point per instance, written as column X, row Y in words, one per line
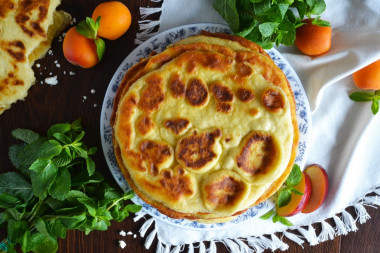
column 79, row 50
column 115, row 19
column 368, row 78
column 312, row 39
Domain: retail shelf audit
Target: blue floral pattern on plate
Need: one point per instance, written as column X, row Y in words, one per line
column 158, row 43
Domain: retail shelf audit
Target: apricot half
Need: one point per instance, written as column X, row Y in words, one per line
column 319, row 187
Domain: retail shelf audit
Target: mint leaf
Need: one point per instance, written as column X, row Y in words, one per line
column 62, row 138
column 249, row 29
column 8, row 201
column 319, row 7
column 267, row 215
column 283, row 220
column 227, row 9
column 76, row 126
column 362, row 96
column 14, row 154
column 25, row 135
column 317, row 21
column 287, row 30
column 375, row 106
column 294, row 177
column 84, row 29
column 72, row 222
column 296, row 192
column 49, row 149
column 58, row 229
column 64, row 158
column 132, row 208
column 16, row 230
column 39, row 243
column 14, row 184
column 284, row 197
column 267, row 29
column 31, row 152
column 58, row 128
column 2, row 219
column 42, row 176
column 61, row 185
column 100, row 48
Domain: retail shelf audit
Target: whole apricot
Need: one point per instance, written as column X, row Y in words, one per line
column 115, row 19
column 313, row 39
column 368, row 78
column 79, row 50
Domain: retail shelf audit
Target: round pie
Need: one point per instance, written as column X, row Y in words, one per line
column 205, row 129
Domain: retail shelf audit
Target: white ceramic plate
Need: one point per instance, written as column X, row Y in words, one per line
column 158, row 43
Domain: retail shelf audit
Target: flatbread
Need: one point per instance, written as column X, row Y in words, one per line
column 206, row 128
column 27, row 29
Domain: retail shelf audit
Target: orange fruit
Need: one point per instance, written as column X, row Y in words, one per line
column 313, row 39
column 368, row 78
column 79, row 50
column 115, row 19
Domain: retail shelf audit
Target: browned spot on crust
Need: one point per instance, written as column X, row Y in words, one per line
column 196, row 93
column 176, row 125
column 223, row 107
column 224, row 192
column 245, row 95
column 257, row 154
column 195, row 151
column 177, row 185
column 16, row 49
column 155, row 153
column 24, row 17
column 273, row 100
column 177, row 88
column 222, row 93
column 243, row 70
column 5, row 7
column 153, row 95
column 227, row 139
column 253, row 111
column 208, row 60
column 145, row 124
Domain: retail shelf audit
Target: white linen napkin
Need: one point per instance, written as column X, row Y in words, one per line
column 345, row 135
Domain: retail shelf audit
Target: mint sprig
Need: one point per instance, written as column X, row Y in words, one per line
column 55, row 189
column 284, row 196
column 269, row 22
column 373, row 97
column 89, row 28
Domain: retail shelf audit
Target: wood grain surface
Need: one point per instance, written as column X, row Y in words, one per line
column 46, row 105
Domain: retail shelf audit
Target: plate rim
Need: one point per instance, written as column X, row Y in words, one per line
column 121, row 69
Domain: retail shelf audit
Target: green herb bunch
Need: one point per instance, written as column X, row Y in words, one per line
column 372, row 96
column 269, row 22
column 284, row 196
column 55, row 189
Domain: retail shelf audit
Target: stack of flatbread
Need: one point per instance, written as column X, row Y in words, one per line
column 206, row 128
column 27, row 29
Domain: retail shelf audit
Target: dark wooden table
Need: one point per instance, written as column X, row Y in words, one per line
column 46, row 105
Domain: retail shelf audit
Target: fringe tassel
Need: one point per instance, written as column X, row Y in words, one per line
column 176, row 249
column 146, row 226
column 339, row 226
column 362, row 214
column 155, row 1
column 256, row 244
column 327, row 232
column 373, row 201
column 161, row 248
column 146, row 27
column 349, row 221
column 150, row 238
column 266, row 242
column 202, row 247
column 243, row 247
column 191, row 248
column 293, row 237
column 212, row 248
column 309, row 235
column 377, row 191
column 231, row 245
column 278, row 244
column 145, row 12
column 139, row 215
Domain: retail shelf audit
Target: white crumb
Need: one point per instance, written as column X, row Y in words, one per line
column 58, row 65
column 64, row 72
column 51, row 80
column 40, row 73
column 71, row 73
column 50, row 52
column 134, row 236
column 129, row 233
column 42, row 82
column 50, row 73
column 84, row 97
column 74, row 20
column 60, row 38
column 122, row 244
column 38, row 65
column 122, row 233
column 56, row 61
column 63, row 35
column 95, row 105
column 92, row 91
